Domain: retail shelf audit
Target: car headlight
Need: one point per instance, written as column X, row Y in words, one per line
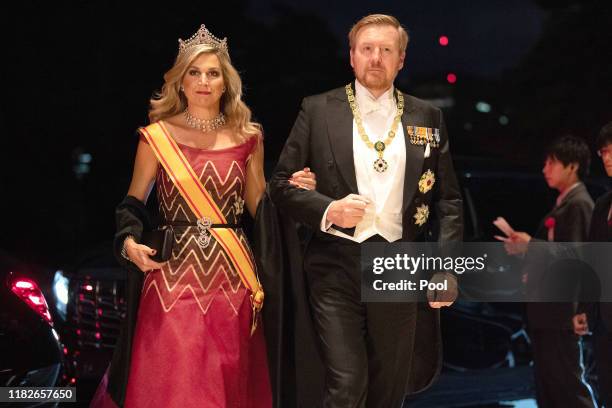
column 60, row 291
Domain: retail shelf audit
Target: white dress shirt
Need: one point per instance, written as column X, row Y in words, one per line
column 384, row 190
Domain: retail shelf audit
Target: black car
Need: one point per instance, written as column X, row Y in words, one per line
column 31, row 353
column 91, row 310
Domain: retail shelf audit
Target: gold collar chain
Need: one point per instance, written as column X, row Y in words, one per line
column 380, row 164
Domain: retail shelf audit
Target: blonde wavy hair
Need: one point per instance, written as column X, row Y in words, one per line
column 170, row 101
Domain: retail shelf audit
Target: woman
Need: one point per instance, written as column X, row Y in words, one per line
column 196, row 341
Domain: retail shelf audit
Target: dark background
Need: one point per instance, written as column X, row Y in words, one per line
column 77, row 77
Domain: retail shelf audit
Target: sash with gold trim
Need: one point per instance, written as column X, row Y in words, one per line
column 204, row 207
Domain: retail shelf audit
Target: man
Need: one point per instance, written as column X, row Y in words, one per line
column 382, row 167
column 600, row 315
column 557, row 352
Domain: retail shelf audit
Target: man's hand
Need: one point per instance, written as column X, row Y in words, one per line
column 438, row 305
column 516, row 243
column 581, row 325
column 347, row 212
column 305, row 179
column 442, row 298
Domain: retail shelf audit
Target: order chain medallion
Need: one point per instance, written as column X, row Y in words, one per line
column 380, row 164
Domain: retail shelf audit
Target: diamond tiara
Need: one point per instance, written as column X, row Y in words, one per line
column 203, row 36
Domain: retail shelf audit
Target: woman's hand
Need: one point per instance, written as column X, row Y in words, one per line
column 140, row 255
column 305, row 179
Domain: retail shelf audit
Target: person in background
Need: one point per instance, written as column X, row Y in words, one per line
column 599, row 315
column 557, row 351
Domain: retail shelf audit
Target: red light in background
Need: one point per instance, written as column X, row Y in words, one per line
column 98, row 336
column 88, row 288
column 451, row 78
column 28, row 291
column 443, row 40
column 24, row 284
column 37, row 300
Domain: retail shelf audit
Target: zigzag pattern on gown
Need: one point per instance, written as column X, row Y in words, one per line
column 204, row 273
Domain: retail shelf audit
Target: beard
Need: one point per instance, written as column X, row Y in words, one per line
column 375, row 79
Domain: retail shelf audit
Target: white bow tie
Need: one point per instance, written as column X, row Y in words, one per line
column 367, row 105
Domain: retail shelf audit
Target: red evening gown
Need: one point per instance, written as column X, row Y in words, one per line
column 192, row 344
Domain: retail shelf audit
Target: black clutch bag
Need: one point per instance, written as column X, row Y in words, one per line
column 160, row 239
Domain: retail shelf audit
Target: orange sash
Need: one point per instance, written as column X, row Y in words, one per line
column 204, row 207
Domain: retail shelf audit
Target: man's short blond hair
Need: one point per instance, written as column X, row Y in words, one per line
column 379, row 19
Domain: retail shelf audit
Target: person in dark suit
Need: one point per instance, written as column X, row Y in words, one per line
column 557, row 351
column 599, row 315
column 384, row 171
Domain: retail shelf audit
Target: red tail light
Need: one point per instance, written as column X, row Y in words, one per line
column 28, row 291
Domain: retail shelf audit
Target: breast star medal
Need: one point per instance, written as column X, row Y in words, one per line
column 421, row 215
column 427, row 181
